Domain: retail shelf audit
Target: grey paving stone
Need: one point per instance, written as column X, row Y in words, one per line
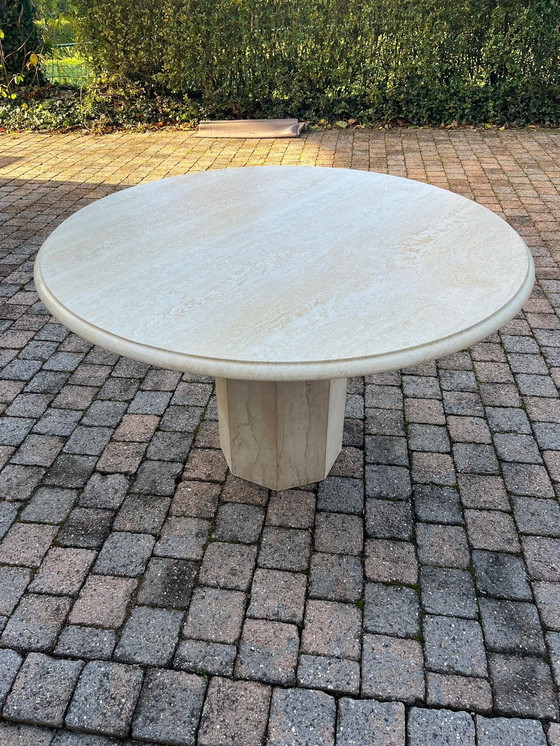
column 88, row 441
column 422, row 437
column 228, row 565
column 26, row 544
column 10, row 661
column 8, row 515
column 13, row 430
column 42, row 690
column 291, row 509
column 331, row 674
column 124, row 554
column 454, row 645
column 169, row 707
column 238, row 490
column 62, row 571
column 331, row 629
column 468, row 429
column 183, row 537
column 433, row 468
column 85, row 527
column 457, row 380
column 391, row 610
column 149, row 636
column 285, row 549
column 389, row 519
column 341, row 495
column 386, row 449
column 16, row 734
column 278, row 596
column 70, row 738
column 368, row 722
column 522, row 686
column 86, row 642
column 385, row 421
column 448, row 592
column 553, row 643
column 13, row 582
column 527, row 479
column 511, row 626
column 105, row 698
column 338, row 533
column 104, row 413
column 207, row 464
column 440, row 728
column 36, row 622
column 391, row 561
column 335, row 577
column 268, row 652
column 517, row 448
column 103, row 601
column 483, row 492
column 542, row 556
column 169, row 446
column 120, row 389
column 143, row 513
column 215, row 615
column 501, row 731
column 548, row 435
column 239, row 523
column 383, row 397
column 475, row 458
column 391, row 482
column 463, row 403
column 57, row 421
column 434, row 504
column 459, row 692
column 157, row 477
column 235, row 712
column 49, row 505
column 104, row 491
column 71, row 470
column 299, row 716
column 508, row 419
column 392, row 668
column 212, row 658
column 534, row 516
column 547, row 596
column 168, row 583
column 149, row 402
column 501, row 575
column 421, row 387
column 442, row 545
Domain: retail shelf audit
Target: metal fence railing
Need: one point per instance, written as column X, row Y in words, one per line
column 65, row 66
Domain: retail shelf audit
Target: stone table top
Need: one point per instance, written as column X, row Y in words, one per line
column 284, row 273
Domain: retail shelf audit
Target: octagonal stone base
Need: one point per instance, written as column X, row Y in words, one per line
column 281, row 434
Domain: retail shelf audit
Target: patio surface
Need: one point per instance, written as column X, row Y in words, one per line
column 412, row 597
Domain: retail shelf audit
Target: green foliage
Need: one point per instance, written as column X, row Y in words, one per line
column 421, row 61
column 20, row 45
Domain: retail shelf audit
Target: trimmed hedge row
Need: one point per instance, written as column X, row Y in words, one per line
column 423, row 61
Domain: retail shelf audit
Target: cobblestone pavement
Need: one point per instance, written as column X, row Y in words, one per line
column 146, row 594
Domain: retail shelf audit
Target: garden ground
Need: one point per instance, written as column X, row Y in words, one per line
column 147, row 594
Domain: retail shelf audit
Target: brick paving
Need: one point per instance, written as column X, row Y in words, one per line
column 147, row 596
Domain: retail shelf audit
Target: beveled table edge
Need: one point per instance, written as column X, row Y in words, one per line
column 286, row 371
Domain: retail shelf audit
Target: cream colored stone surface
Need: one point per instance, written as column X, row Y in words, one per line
column 284, row 273
column 281, row 434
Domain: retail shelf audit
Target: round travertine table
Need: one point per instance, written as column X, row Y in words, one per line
column 281, row 282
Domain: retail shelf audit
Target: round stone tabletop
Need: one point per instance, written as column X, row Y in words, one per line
column 284, row 273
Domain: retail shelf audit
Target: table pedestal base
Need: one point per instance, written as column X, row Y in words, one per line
column 281, row 434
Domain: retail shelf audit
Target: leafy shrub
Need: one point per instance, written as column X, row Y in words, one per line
column 20, row 44
column 419, row 60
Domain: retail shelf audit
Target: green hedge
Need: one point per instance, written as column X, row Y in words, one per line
column 424, row 61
